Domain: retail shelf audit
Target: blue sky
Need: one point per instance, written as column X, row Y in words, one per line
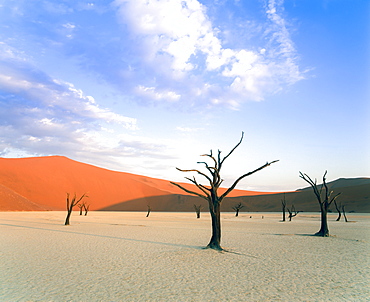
column 145, row 86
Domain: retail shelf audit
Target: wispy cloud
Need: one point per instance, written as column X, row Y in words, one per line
column 44, row 115
column 152, row 93
column 56, row 96
column 170, row 50
column 181, row 39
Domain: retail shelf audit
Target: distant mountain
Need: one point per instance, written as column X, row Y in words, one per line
column 41, row 183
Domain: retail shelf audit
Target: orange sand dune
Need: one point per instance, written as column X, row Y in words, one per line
column 12, row 201
column 41, row 183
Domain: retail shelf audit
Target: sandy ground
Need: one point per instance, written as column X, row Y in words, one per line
column 124, row 256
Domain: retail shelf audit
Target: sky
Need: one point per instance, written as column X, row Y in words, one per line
column 145, row 86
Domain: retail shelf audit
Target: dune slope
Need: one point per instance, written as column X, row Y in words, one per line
column 43, row 182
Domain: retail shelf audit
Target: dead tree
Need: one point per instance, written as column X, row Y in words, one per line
column 210, row 193
column 344, row 214
column 197, row 210
column 337, row 207
column 283, row 205
column 81, row 206
column 324, row 198
column 237, row 208
column 149, row 209
column 70, row 204
column 86, row 208
column 292, row 212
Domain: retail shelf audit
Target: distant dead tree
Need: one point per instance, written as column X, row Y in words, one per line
column 81, row 205
column 292, row 212
column 70, row 204
column 344, row 214
column 340, row 209
column 283, row 205
column 337, row 207
column 210, row 193
column 237, row 208
column 197, row 209
column 86, row 208
column 324, row 200
column 149, row 209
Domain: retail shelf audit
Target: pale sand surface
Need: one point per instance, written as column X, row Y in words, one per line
column 124, row 256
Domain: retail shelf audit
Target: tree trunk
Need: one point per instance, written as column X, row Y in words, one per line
column 215, row 241
column 324, row 230
column 283, row 213
column 237, row 213
column 339, row 216
column 338, row 210
column 344, row 214
column 86, row 209
column 67, row 218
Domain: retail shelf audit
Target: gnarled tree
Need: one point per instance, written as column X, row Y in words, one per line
column 210, row 192
column 237, row 208
column 70, row 204
column 292, row 212
column 324, row 198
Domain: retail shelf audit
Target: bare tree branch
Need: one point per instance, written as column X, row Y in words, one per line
column 245, row 175
column 232, row 150
column 195, row 170
column 189, row 191
column 200, row 187
column 312, row 184
column 334, row 198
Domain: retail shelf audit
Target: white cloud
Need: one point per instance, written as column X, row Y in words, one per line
column 280, row 31
column 181, row 27
column 87, row 106
column 243, row 62
column 182, row 32
column 58, row 95
column 219, row 59
column 152, row 93
column 8, row 52
column 69, row 25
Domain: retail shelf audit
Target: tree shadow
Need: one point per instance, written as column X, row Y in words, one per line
column 228, row 251
column 318, row 236
column 106, row 236
column 303, row 235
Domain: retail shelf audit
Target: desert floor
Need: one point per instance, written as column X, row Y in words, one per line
column 124, row 256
